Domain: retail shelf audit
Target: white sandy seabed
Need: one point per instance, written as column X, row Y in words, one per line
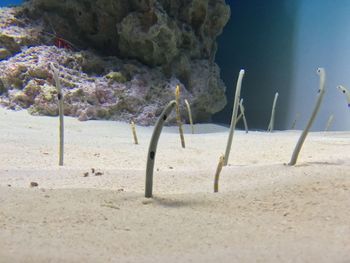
column 265, row 211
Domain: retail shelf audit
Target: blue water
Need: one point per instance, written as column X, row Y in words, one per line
column 10, row 2
column 280, row 44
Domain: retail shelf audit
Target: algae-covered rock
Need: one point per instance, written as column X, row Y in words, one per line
column 48, row 93
column 151, row 37
column 15, row 32
column 21, row 99
column 2, row 87
column 126, row 59
column 116, row 76
column 165, row 36
column 9, row 43
column 4, row 53
column 32, row 89
column 40, row 73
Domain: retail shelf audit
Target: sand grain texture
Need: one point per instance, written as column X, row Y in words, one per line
column 265, row 211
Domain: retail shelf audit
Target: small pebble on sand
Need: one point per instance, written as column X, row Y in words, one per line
column 34, row 184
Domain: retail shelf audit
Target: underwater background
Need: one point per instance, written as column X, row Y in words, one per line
column 280, row 44
column 10, row 2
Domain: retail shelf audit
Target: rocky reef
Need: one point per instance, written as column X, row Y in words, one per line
column 118, row 60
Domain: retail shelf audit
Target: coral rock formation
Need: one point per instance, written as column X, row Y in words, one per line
column 147, row 47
